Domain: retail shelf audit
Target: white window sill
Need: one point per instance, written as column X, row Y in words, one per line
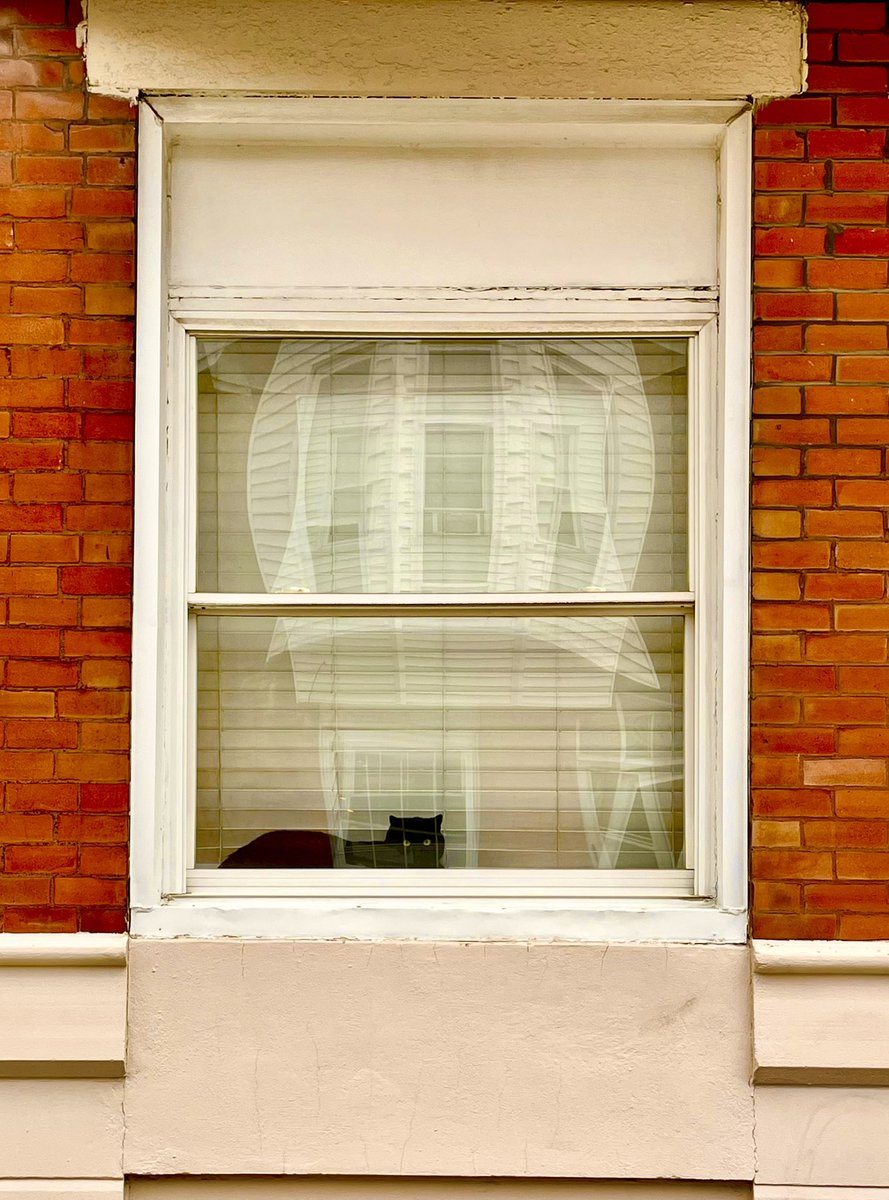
column 438, row 919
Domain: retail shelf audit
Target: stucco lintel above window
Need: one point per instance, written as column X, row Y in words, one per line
column 597, row 49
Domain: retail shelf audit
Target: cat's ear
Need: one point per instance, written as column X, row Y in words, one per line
column 396, row 822
column 439, row 818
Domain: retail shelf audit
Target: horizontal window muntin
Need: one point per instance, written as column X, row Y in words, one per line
column 612, row 820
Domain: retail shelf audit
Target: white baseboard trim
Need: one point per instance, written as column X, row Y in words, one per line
column 63, row 949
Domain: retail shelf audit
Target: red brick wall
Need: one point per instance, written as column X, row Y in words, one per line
column 66, row 266
column 820, row 492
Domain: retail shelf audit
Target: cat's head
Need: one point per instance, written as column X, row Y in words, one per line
column 421, row 837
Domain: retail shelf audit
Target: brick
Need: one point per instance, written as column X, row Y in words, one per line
column 843, row 835
column 49, row 235
column 112, row 172
column 789, row 176
column 794, row 432
column 27, row 704
column 49, row 169
column 799, row 368
column 104, row 735
column 80, row 705
column 777, row 897
column 843, row 462
column 794, row 741
column 113, row 138
column 780, row 272
column 86, row 828
column 843, row 587
column 845, row 399
column 105, row 673
column 793, row 306
column 863, row 307
column 104, row 860
column 863, row 369
column 864, row 111
column 861, row 177
column 775, row 710
column 846, row 337
column 775, row 647
column 793, row 925
column 77, row 889
column 51, row 610
column 103, row 268
column 776, row 771
column 820, row 47
column 793, row 242
column 864, row 47
column 791, row 616
column 863, row 556
column 811, row 493
column 107, row 797
column 774, row 834
column 867, row 742
column 774, row 586
column 28, row 581
column 33, row 268
column 848, row 772
column 846, row 79
column 863, row 493
column 844, row 14
column 774, row 462
column 841, row 648
column 776, row 400
column 19, row 890
column 40, row 919
column 789, row 864
column 18, row 827
column 862, row 864
column 845, row 273
column 864, row 681
column 45, row 734
column 794, row 679
column 872, row 242
column 47, row 300
column 792, row 802
column 843, row 523
column 102, row 202
column 777, row 523
column 846, row 209
column 41, row 860
column 862, row 616
column 96, row 643
column 846, row 143
column 44, row 548
column 864, row 927
column 29, row 330
column 801, row 110
column 92, row 767
column 844, row 710
column 799, row 555
column 862, row 803
column 46, row 488
column 778, row 143
column 40, row 674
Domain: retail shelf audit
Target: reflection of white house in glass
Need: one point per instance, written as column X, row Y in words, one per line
column 480, row 466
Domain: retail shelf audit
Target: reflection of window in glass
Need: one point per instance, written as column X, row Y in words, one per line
column 539, row 739
column 457, row 474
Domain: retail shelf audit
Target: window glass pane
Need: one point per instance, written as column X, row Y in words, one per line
column 532, row 742
column 433, row 465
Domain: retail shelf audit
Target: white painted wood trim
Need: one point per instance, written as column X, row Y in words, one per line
column 146, row 779
column 63, row 949
column 528, row 122
column 160, row 829
column 820, row 958
column 430, row 919
column 731, row 694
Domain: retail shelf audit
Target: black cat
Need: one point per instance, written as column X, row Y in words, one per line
column 410, row 842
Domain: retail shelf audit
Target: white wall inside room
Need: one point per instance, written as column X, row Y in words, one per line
column 294, row 215
column 372, row 1059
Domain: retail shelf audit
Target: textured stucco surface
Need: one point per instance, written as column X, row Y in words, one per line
column 573, row 48
column 439, row 1059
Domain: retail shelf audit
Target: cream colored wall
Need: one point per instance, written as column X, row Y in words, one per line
column 439, row 1059
column 571, row 48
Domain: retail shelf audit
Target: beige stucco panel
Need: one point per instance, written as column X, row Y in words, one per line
column 60, row 1128
column 808, row 1025
column 439, row 1059
column 571, row 48
column 822, row 1136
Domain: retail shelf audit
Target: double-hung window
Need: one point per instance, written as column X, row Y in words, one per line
column 442, row 528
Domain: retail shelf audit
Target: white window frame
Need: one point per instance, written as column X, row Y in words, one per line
column 705, row 903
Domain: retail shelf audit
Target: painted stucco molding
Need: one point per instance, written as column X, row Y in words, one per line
column 820, row 958
column 61, row 1189
column 62, row 1006
column 63, row 949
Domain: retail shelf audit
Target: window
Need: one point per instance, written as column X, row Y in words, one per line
column 443, row 576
